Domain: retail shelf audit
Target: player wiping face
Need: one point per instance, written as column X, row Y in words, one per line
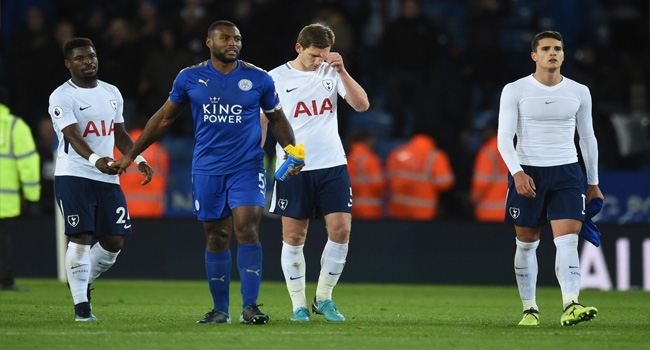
column 312, row 58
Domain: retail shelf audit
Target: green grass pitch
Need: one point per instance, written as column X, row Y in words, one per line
column 136, row 314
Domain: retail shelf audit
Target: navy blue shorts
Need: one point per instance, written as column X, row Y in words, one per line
column 92, row 206
column 215, row 196
column 313, row 193
column 559, row 195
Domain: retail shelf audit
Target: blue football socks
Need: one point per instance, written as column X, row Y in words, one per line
column 249, row 262
column 218, row 267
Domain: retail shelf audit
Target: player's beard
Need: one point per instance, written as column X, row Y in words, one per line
column 221, row 56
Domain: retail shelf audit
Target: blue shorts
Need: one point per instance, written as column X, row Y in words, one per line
column 92, row 206
column 559, row 195
column 214, row 196
column 313, row 193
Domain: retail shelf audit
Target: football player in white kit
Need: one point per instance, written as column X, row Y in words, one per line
column 308, row 87
column 546, row 182
column 87, row 117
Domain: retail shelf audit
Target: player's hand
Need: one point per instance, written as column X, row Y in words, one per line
column 121, row 164
column 594, row 192
column 147, row 171
column 102, row 165
column 335, row 60
column 296, row 170
column 524, row 184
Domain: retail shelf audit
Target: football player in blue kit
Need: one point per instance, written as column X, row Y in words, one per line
column 87, row 118
column 225, row 95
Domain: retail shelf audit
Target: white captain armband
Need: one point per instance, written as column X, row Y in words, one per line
column 139, row 159
column 93, row 158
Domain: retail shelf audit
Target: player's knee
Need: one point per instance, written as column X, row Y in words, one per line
column 295, row 238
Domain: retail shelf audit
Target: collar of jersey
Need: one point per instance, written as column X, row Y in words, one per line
column 216, row 71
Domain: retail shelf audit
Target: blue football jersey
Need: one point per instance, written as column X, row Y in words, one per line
column 226, row 112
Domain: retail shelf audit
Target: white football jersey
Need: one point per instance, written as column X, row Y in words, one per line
column 309, row 100
column 96, row 110
column 545, row 119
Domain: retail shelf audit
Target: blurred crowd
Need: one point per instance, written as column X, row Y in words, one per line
column 431, row 68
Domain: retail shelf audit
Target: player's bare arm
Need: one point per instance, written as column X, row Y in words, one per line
column 283, row 133
column 524, row 184
column 124, row 143
column 355, row 95
column 155, row 128
column 72, row 134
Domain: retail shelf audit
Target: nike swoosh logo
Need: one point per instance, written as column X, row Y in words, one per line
column 549, row 102
column 82, row 108
column 334, row 274
column 289, row 90
column 520, row 268
column 573, row 267
column 74, row 267
column 126, row 226
column 295, row 278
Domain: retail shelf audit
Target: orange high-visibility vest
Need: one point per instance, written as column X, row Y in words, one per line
column 417, row 173
column 146, row 201
column 368, row 184
column 490, row 183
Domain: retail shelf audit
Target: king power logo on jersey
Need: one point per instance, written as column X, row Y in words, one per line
column 99, row 130
column 215, row 112
column 311, row 108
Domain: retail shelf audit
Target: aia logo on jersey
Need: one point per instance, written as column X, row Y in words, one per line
column 92, row 128
column 313, row 108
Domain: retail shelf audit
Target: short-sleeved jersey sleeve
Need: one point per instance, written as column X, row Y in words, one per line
column 62, row 110
column 269, row 100
column 178, row 94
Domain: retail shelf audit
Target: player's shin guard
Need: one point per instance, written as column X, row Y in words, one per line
column 332, row 263
column 293, row 267
column 100, row 261
column 526, row 272
column 217, row 267
column 77, row 267
column 249, row 263
column 567, row 267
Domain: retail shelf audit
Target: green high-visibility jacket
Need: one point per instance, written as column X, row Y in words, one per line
column 19, row 164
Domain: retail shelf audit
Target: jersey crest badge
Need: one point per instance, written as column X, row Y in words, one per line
column 514, row 212
column 114, row 105
column 73, row 220
column 328, row 84
column 245, row 85
column 282, row 203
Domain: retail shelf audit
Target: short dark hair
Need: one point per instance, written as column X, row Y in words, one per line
column 75, row 43
column 216, row 24
column 316, row 35
column 543, row 35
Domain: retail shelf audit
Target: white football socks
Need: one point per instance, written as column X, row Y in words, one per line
column 526, row 272
column 567, row 268
column 77, row 267
column 100, row 261
column 332, row 262
column 293, row 266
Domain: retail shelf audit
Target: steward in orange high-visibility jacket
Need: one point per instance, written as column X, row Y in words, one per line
column 368, row 181
column 417, row 173
column 146, row 201
column 490, row 183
